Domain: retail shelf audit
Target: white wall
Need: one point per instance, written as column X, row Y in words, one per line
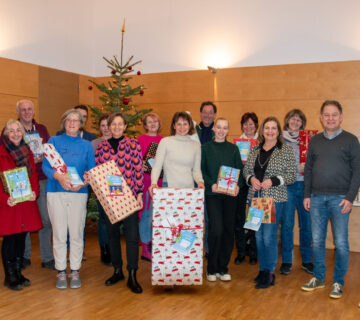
column 174, row 35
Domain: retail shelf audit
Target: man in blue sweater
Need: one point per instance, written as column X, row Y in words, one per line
column 332, row 179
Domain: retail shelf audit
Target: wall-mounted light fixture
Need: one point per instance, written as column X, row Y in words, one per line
column 212, row 69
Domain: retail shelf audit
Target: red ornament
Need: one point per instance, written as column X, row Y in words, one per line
column 130, row 68
column 141, row 92
column 113, row 71
column 126, row 101
column 90, row 87
column 138, row 73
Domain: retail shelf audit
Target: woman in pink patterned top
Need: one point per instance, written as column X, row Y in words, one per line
column 126, row 153
column 152, row 126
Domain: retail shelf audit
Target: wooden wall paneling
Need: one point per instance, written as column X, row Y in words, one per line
column 18, row 81
column 58, row 92
column 8, row 107
column 19, row 78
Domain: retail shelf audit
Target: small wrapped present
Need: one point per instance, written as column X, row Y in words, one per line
column 268, row 206
column 177, row 242
column 227, row 180
column 112, row 191
column 54, row 158
column 16, row 184
column 245, row 146
column 304, row 140
column 34, row 141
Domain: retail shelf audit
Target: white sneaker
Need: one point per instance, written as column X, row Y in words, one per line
column 211, row 277
column 223, row 276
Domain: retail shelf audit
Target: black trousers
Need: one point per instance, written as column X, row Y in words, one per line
column 245, row 240
column 221, row 213
column 131, row 238
column 13, row 246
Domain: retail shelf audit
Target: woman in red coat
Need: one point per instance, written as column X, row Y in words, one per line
column 16, row 219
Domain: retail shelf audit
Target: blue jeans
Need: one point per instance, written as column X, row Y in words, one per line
column 266, row 241
column 295, row 200
column 145, row 225
column 323, row 208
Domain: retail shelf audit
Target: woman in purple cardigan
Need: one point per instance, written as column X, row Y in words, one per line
column 126, row 153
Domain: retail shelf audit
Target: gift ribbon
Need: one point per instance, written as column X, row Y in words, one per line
column 176, row 230
column 230, row 180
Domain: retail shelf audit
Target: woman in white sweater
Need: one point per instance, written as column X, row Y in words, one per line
column 179, row 156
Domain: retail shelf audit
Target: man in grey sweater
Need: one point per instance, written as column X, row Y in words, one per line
column 332, row 179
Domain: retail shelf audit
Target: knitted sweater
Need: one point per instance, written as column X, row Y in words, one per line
column 128, row 158
column 76, row 152
column 180, row 157
column 213, row 156
column 333, row 166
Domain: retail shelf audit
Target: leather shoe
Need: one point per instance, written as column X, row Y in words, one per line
column 115, row 278
column 239, row 259
column 253, row 260
column 132, row 283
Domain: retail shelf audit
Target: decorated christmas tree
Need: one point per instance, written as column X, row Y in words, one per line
column 118, row 93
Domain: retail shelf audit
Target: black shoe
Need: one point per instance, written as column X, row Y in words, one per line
column 308, row 267
column 12, row 280
column 48, row 265
column 267, row 279
column 259, row 276
column 25, row 263
column 115, row 278
column 285, row 268
column 105, row 257
column 23, row 281
column 132, row 283
column 239, row 259
column 253, row 260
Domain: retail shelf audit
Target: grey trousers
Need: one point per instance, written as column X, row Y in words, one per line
column 44, row 233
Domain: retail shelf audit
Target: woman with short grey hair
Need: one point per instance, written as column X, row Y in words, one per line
column 66, row 202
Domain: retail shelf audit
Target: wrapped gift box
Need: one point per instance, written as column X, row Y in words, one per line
column 16, row 184
column 54, row 158
column 304, row 140
column 34, row 141
column 150, row 156
column 268, row 206
column 245, row 146
column 227, row 180
column 112, row 191
column 177, row 242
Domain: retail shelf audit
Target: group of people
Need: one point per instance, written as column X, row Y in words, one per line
column 190, row 157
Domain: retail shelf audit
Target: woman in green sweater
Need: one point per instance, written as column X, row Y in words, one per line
column 221, row 207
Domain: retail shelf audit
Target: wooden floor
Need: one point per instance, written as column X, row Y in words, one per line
column 234, row 300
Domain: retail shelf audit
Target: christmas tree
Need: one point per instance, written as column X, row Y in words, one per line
column 118, row 93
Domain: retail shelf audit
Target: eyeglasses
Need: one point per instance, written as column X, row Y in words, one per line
column 72, row 120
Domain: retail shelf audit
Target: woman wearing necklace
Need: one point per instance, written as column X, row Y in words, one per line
column 221, row 207
column 295, row 120
column 269, row 169
column 127, row 154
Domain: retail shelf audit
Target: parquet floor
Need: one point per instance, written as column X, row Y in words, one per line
column 234, row 300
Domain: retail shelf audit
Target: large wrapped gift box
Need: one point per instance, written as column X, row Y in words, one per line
column 304, row 140
column 177, row 242
column 112, row 191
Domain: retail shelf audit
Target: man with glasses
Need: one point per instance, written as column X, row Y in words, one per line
column 331, row 182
